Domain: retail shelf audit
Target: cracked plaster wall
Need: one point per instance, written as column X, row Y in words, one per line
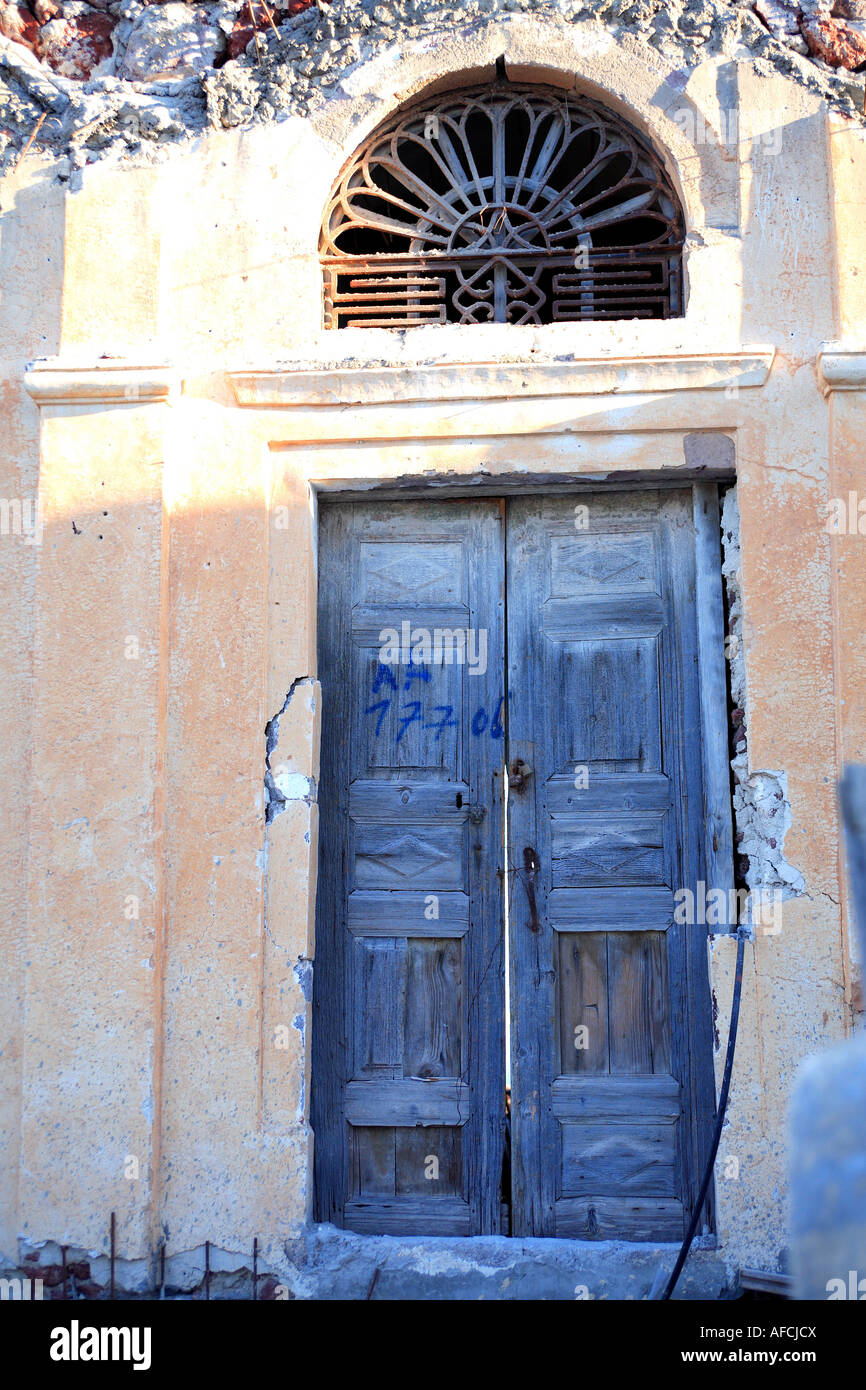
column 761, row 809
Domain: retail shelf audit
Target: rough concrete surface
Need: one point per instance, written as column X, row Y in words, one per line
column 332, row 1264
column 124, row 76
column 328, row 1264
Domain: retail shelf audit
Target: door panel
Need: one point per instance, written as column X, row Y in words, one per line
column 611, row 1053
column 612, row 1084
column 408, row 1003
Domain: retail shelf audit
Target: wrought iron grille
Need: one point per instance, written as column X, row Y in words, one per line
column 502, row 204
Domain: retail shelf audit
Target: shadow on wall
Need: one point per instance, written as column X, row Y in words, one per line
column 31, row 254
column 828, row 1124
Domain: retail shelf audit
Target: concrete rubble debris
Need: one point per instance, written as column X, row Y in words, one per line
column 172, row 41
column 261, row 62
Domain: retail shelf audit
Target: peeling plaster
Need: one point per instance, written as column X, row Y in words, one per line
column 762, row 810
column 88, row 1272
column 763, row 817
column 282, row 784
column 303, row 973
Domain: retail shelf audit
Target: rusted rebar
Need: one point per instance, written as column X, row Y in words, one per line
column 33, row 134
column 270, row 18
column 255, row 32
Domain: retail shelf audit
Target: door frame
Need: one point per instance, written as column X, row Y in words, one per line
column 716, row 844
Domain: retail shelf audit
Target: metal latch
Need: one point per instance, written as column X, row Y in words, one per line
column 531, row 865
column 518, row 776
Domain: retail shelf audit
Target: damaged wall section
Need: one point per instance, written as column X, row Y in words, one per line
column 82, row 79
column 291, row 748
column 53, row 1272
column 762, row 811
column 292, row 741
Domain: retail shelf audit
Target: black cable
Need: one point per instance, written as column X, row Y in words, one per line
column 720, row 1119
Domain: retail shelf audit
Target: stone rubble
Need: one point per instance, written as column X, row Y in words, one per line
column 173, row 40
column 131, row 75
column 838, row 42
column 78, row 46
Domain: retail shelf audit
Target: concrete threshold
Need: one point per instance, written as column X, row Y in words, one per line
column 333, row 1264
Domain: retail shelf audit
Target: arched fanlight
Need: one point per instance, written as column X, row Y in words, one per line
column 502, row 204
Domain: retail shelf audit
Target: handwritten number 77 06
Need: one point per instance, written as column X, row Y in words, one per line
column 412, row 711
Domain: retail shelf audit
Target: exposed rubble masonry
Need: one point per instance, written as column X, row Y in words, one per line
column 762, row 812
column 80, row 80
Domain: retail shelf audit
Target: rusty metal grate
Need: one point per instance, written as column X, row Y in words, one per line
column 502, row 204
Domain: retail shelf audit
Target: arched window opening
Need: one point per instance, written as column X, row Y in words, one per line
column 502, row 204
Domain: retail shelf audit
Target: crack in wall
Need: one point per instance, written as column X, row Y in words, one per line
column 281, row 784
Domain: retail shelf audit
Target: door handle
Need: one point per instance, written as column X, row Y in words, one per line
column 531, row 865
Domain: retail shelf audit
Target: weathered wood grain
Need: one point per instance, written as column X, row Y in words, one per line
column 616, row 1098
column 582, row 1003
column 605, row 710
column 380, row 980
column 408, row 988
column 407, row 1102
column 410, row 1215
column 639, row 1002
column 433, row 1031
column 620, row 1218
column 618, row 1160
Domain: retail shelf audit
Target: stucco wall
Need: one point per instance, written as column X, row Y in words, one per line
column 191, row 411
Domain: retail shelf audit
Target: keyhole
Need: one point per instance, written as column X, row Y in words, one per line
column 458, row 800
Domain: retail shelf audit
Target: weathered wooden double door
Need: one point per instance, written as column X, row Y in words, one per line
column 511, row 733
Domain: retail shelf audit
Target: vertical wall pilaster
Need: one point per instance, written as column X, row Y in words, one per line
column 93, row 1028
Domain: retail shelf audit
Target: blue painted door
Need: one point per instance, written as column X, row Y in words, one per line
column 408, row 1001
column 611, row 1076
column 612, row 1080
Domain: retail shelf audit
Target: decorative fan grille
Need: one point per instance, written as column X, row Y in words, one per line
column 502, row 204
